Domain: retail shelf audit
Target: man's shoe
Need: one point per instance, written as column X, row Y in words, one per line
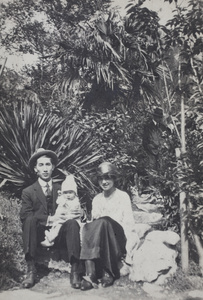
column 29, row 280
column 89, row 282
column 107, row 279
column 75, row 280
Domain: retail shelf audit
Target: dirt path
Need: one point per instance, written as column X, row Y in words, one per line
column 55, row 285
column 60, row 283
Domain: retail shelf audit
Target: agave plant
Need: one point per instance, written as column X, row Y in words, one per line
column 27, row 128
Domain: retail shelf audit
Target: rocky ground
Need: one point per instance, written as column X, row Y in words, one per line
column 54, row 284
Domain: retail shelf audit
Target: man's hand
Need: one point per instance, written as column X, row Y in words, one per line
column 58, row 218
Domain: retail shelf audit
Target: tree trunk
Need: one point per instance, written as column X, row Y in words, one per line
column 183, row 203
column 199, row 250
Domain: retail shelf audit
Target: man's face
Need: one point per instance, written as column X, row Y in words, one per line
column 44, row 168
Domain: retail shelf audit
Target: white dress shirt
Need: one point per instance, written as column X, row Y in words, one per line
column 43, row 185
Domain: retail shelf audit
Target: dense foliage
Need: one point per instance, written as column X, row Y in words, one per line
column 12, row 263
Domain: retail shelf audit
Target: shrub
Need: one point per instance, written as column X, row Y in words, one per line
column 114, row 132
column 26, row 128
column 12, row 264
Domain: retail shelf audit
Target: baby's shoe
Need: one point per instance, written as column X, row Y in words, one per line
column 47, row 236
column 46, row 243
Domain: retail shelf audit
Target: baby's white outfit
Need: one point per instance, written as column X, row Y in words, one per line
column 71, row 209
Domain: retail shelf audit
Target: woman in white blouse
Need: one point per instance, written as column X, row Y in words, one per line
column 108, row 237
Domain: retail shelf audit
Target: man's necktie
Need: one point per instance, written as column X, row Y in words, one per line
column 48, row 191
column 49, row 200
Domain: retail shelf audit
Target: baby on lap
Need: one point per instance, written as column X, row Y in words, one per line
column 68, row 204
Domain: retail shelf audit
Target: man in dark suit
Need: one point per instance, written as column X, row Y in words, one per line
column 37, row 215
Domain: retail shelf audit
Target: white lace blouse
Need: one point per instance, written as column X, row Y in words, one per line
column 118, row 207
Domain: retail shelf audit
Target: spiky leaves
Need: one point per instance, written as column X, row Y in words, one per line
column 27, row 128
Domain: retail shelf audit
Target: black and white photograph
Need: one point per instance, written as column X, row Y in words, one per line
column 101, row 149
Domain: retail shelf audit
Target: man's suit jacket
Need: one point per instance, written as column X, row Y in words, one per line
column 34, row 202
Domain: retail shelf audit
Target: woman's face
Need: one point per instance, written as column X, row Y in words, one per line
column 106, row 182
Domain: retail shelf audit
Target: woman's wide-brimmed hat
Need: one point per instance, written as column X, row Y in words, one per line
column 41, row 152
column 107, row 168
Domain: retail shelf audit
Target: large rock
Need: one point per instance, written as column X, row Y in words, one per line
column 154, row 258
column 149, row 197
column 142, row 229
column 147, row 217
column 147, row 210
column 148, row 207
column 167, row 237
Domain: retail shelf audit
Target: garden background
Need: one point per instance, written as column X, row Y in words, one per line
column 96, row 80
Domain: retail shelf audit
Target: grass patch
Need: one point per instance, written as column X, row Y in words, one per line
column 12, row 263
column 182, row 282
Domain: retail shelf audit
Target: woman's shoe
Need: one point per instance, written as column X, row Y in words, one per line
column 107, row 279
column 89, row 282
column 75, row 280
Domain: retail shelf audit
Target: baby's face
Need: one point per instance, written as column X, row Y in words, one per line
column 69, row 195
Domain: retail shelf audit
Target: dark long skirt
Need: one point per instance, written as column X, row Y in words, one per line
column 103, row 241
